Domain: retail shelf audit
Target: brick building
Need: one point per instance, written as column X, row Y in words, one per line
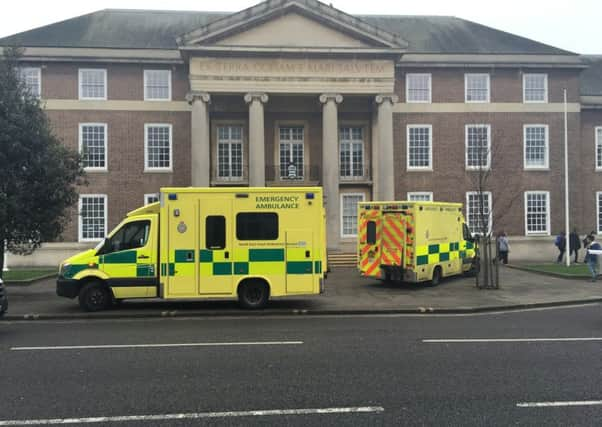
column 299, row 93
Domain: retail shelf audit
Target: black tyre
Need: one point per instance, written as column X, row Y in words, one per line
column 253, row 295
column 436, row 276
column 94, row 296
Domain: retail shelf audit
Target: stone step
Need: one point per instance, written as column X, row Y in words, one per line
column 338, row 259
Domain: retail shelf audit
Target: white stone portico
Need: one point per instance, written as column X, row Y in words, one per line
column 295, row 50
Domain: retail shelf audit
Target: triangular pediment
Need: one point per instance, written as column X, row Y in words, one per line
column 292, row 24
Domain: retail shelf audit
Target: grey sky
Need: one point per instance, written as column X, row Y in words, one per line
column 571, row 25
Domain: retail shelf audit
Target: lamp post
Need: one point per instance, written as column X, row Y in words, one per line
column 566, row 185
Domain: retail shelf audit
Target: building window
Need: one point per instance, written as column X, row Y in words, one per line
column 93, row 146
column 93, row 84
column 478, row 212
column 349, row 202
column 31, row 78
column 351, row 152
column 420, row 196
column 476, row 87
column 598, row 138
column 535, row 87
column 229, row 153
column 536, row 146
column 420, row 150
column 599, row 211
column 92, row 217
column 537, row 212
column 291, row 152
column 157, row 85
column 478, row 146
column 157, row 147
column 418, row 87
column 151, row 198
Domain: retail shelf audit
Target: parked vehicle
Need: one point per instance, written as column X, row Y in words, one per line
column 3, row 299
column 246, row 243
column 413, row 241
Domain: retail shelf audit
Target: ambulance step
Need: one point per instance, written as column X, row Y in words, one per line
column 342, row 260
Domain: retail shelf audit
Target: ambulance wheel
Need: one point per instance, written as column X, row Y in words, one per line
column 253, row 294
column 436, row 276
column 94, row 296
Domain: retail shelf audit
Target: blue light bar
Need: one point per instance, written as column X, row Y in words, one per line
column 309, row 196
column 172, row 196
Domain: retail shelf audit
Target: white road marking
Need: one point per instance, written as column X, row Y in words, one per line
column 556, row 404
column 195, row 415
column 494, row 340
column 119, row 346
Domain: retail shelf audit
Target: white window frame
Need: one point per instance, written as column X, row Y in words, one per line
column 481, row 126
column 229, row 142
column 598, row 145
column 489, row 207
column 80, row 219
column 146, row 71
column 545, row 100
column 343, row 195
column 546, row 164
column 81, row 142
column 38, row 71
column 479, row 101
column 430, row 79
column 79, row 84
column 419, row 168
column 158, row 169
column 598, row 222
column 149, row 195
column 352, row 141
column 428, row 194
column 538, row 233
column 301, row 175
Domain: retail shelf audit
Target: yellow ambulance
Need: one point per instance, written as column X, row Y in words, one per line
column 413, row 241
column 246, row 243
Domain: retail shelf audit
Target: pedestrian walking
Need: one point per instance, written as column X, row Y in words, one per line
column 593, row 250
column 574, row 244
column 560, row 243
column 503, row 247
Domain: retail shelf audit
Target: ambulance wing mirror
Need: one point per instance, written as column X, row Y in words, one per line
column 101, row 248
column 467, row 234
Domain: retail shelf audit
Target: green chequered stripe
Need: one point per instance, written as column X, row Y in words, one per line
column 251, row 261
column 145, row 270
column 439, row 253
column 124, row 257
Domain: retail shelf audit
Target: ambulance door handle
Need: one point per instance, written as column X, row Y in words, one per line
column 143, row 257
column 306, row 254
column 226, row 255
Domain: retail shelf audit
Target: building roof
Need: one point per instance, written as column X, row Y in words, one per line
column 145, row 29
column 591, row 78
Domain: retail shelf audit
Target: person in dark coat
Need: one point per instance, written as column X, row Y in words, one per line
column 574, row 244
column 560, row 243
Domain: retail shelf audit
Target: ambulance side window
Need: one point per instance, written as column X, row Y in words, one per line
column 257, row 226
column 215, row 232
column 131, row 236
column 371, row 233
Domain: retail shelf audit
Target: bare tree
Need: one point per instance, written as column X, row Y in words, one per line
column 483, row 152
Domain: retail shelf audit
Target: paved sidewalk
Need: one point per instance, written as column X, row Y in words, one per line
column 346, row 292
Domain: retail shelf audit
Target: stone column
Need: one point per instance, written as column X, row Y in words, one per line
column 200, row 164
column 330, row 167
column 256, row 138
column 385, row 174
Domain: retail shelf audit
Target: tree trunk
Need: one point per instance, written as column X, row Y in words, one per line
column 487, row 278
column 1, row 257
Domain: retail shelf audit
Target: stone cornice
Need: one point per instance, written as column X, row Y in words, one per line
column 52, row 54
column 490, row 60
